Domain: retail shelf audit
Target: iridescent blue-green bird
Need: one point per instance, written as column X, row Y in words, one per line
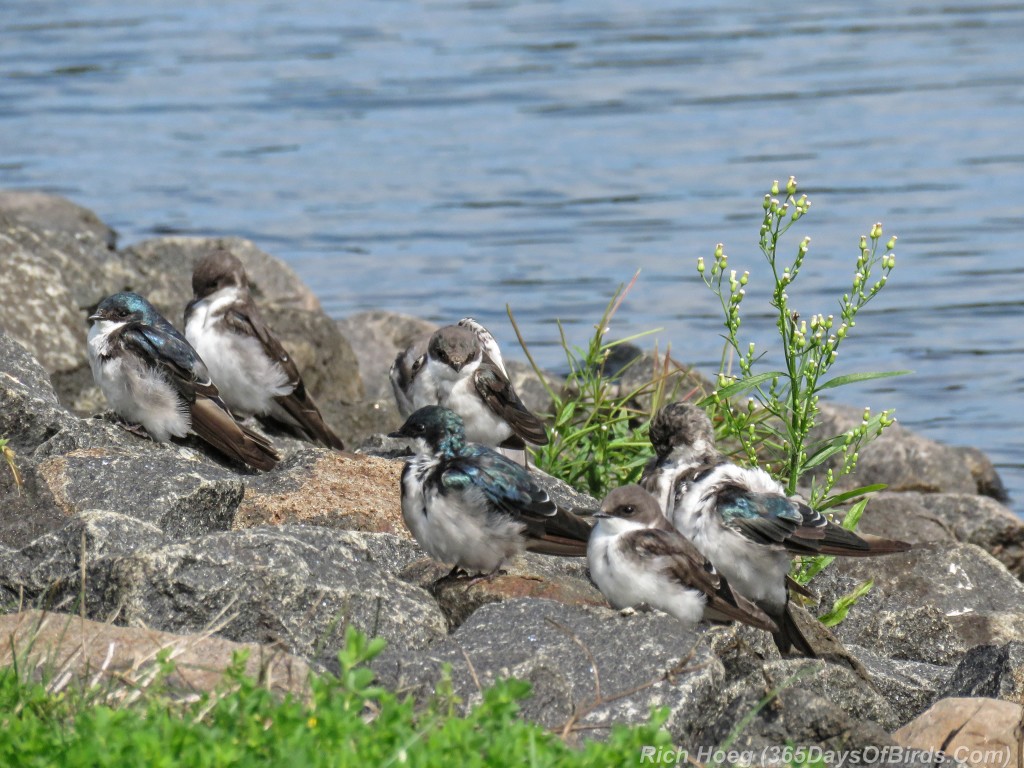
column 741, row 519
column 152, row 376
column 469, row 506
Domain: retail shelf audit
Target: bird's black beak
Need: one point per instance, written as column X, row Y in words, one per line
column 600, row 515
column 95, row 316
column 397, row 433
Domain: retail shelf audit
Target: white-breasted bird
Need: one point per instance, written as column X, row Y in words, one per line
column 469, row 506
column 741, row 518
column 152, row 376
column 636, row 556
column 252, row 370
column 461, row 368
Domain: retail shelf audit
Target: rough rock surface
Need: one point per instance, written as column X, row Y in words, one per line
column 52, row 213
column 980, row 732
column 29, row 411
column 989, row 671
column 107, row 655
column 588, row 667
column 931, row 604
column 294, row 586
column 814, row 704
column 904, row 461
column 564, row 580
column 339, row 490
column 56, row 258
column 925, row 518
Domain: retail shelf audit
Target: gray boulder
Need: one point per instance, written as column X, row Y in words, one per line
column 849, row 699
column 589, row 668
column 929, row 605
column 57, row 262
column 924, row 518
column 901, row 459
column 562, row 579
column 796, row 717
column 177, row 489
column 29, row 411
column 910, row 687
column 48, row 571
column 55, row 214
column 990, row 671
column 297, row 587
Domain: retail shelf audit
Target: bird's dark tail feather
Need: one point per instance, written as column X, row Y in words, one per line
column 214, row 423
column 558, row 546
column 301, row 407
column 876, row 545
column 790, row 639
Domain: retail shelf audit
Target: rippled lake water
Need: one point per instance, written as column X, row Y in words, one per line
column 447, row 158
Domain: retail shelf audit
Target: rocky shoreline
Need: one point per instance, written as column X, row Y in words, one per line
column 168, row 545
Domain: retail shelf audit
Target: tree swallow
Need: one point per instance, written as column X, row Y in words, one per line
column 636, row 556
column 254, row 373
column 468, row 505
column 741, row 518
column 462, row 370
column 152, row 376
column 404, row 377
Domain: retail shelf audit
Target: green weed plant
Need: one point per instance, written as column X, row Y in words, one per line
column 346, row 720
column 773, row 427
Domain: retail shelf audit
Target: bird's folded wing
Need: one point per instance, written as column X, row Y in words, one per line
column 678, row 558
column 511, row 491
column 487, row 343
column 212, row 421
column 245, row 319
column 172, row 354
column 497, row 391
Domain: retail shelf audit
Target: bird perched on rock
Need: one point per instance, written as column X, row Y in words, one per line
column 254, row 373
column 404, row 375
column 636, row 556
column 152, row 376
column 461, row 369
column 468, row 505
column 741, row 518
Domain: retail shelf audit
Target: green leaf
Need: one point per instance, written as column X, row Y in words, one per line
column 850, row 378
column 842, row 605
column 853, row 516
column 811, row 567
column 840, row 498
column 741, row 386
column 824, row 452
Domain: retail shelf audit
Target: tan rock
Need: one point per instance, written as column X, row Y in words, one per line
column 539, row 576
column 331, row 488
column 979, row 732
column 63, row 649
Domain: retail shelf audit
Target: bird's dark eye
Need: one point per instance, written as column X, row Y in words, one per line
column 627, row 510
column 419, row 427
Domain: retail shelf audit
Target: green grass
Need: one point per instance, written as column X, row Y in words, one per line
column 597, row 440
column 345, row 721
